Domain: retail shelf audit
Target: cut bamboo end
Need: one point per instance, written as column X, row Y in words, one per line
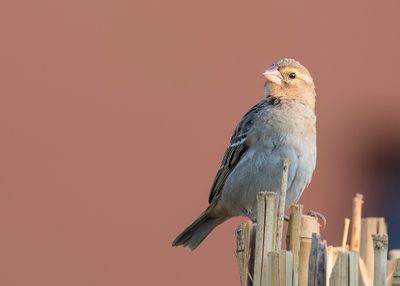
column 309, row 261
column 356, row 222
column 380, row 242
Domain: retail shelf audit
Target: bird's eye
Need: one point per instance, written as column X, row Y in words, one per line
column 292, row 75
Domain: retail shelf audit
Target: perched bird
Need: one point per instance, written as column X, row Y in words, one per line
column 281, row 125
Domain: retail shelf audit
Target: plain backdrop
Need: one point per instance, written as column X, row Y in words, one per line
column 114, row 116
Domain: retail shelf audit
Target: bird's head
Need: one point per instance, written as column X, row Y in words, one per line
column 288, row 78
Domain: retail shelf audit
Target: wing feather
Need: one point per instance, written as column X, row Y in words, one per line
column 236, row 150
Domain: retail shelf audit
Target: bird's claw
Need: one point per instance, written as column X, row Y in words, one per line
column 318, row 216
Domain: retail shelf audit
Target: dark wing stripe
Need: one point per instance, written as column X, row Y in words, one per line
column 232, row 157
column 238, row 154
column 237, row 148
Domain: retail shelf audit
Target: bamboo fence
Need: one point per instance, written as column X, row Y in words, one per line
column 307, row 259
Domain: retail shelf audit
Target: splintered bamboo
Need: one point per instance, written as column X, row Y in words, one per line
column 266, row 204
column 270, row 222
column 259, row 239
column 356, row 222
column 293, row 238
column 317, row 262
column 380, row 242
column 307, row 260
column 243, row 251
column 282, row 203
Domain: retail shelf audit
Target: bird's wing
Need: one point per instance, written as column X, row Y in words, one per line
column 236, row 149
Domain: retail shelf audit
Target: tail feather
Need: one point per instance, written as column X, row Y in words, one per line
column 195, row 233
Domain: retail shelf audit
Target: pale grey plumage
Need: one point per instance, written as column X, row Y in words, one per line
column 280, row 126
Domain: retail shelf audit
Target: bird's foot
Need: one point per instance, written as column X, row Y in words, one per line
column 318, row 216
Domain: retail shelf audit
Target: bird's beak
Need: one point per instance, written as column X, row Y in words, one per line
column 273, row 75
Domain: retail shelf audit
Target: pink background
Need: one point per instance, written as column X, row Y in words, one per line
column 115, row 115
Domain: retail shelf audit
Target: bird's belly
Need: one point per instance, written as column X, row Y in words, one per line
column 261, row 171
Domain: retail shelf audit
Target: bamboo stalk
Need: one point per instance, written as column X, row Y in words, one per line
column 285, row 268
column 270, row 222
column 345, row 271
column 394, row 254
column 390, row 271
column 369, row 226
column 293, row 238
column 243, row 250
column 271, row 205
column 309, row 226
column 382, row 228
column 266, row 205
column 330, row 261
column 380, row 242
column 353, row 268
column 396, row 274
column 281, row 206
column 345, row 233
column 356, row 222
column 365, row 276
column 272, row 269
column 317, row 262
column 259, row 239
column 340, row 273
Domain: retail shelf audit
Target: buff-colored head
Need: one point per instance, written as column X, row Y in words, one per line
column 288, row 78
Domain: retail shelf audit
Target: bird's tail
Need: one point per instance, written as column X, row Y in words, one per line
column 195, row 233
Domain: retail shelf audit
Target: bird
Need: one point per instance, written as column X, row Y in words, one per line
column 281, row 126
